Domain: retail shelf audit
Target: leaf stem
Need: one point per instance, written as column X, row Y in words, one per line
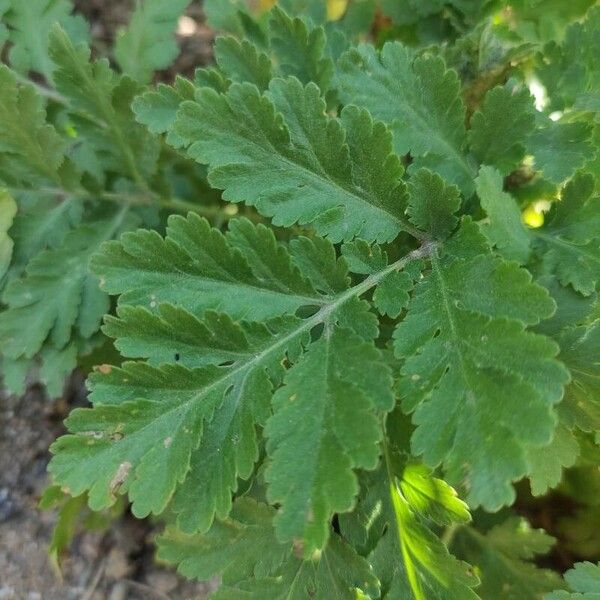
column 427, row 248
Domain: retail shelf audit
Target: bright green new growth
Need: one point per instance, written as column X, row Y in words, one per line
column 354, row 323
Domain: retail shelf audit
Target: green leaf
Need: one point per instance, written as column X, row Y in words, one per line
column 66, row 522
column 147, row 43
column 569, row 69
column 432, row 203
column 503, row 557
column 228, row 446
column 327, row 412
column 38, row 147
column 468, row 365
column 148, row 422
column 419, row 99
column 225, row 15
column 546, row 464
column 579, row 350
column 242, row 62
column 93, row 88
column 8, row 210
column 504, row 227
column 57, row 364
column 157, row 109
column 409, row 559
column 29, row 25
column 337, row 573
column 284, row 155
column 50, row 367
column 430, row 497
column 570, row 242
column 583, row 580
column 299, row 50
column 14, row 375
column 245, row 273
column 559, row 149
column 392, row 293
column 187, row 433
column 57, row 294
column 500, row 128
column 572, row 308
column 229, row 548
column 40, row 223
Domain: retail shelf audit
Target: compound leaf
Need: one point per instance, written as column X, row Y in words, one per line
column 419, row 99
column 184, row 431
column 284, row 155
column 327, row 412
column 464, row 345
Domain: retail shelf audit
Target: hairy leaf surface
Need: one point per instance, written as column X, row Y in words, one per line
column 419, row 99
column 464, row 347
column 281, row 153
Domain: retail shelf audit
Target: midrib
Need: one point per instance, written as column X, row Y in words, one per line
column 321, row 316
